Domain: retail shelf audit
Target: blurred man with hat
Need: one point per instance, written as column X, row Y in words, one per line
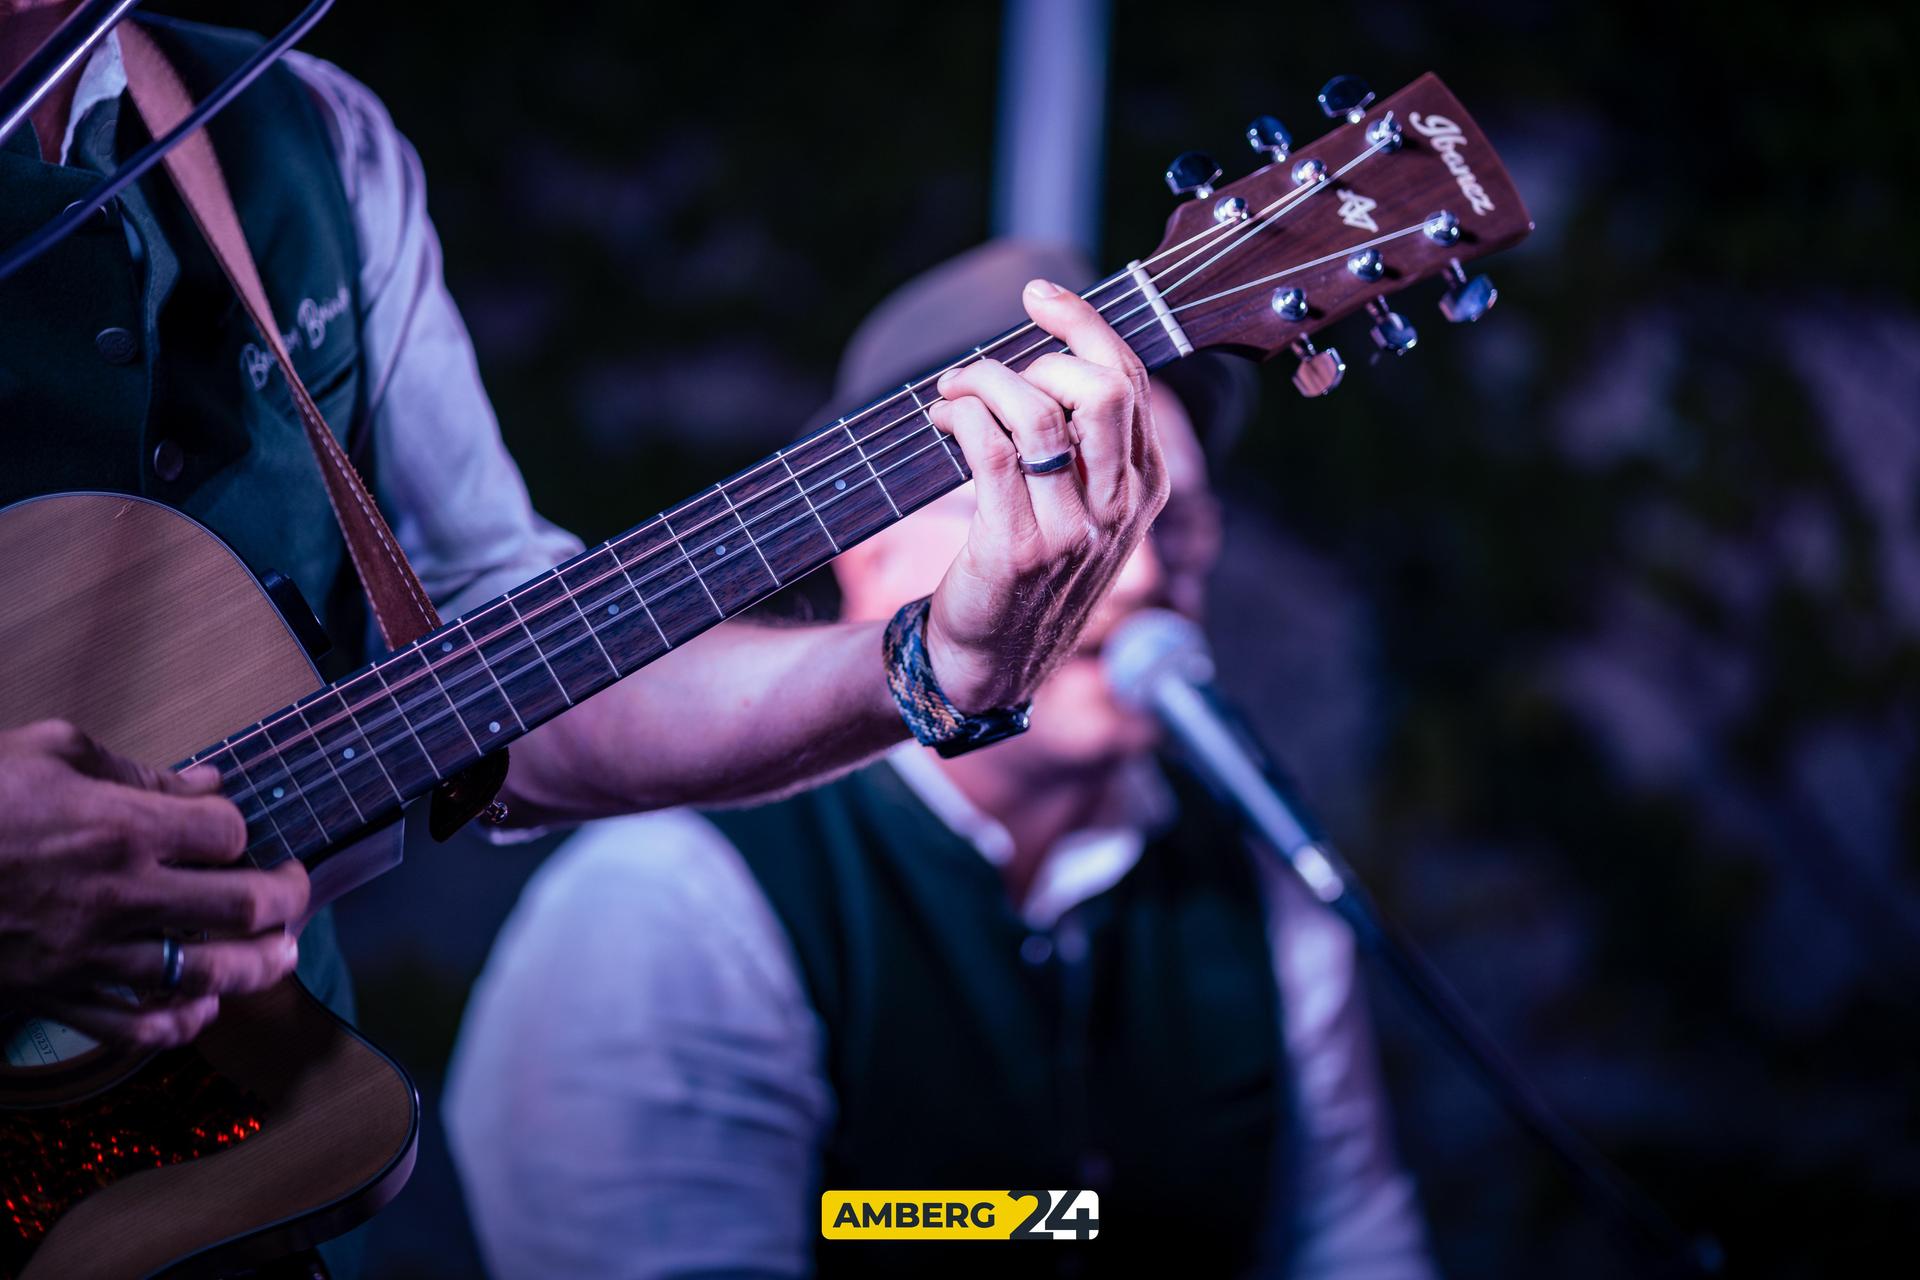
column 1045, row 964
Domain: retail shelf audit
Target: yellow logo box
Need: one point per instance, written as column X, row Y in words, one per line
column 960, row 1215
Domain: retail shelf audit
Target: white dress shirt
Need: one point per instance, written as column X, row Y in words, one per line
column 639, row 1089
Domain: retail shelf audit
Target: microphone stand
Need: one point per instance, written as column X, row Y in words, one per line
column 1243, row 773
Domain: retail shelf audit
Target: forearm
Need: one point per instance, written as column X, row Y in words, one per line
column 743, row 713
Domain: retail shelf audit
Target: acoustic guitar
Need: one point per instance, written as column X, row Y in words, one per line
column 281, row 1126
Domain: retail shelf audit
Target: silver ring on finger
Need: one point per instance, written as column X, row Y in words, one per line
column 173, row 964
column 1051, row 464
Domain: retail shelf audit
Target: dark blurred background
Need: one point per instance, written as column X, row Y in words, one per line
column 1594, row 630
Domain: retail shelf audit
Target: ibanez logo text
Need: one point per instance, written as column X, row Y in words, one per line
column 1448, row 139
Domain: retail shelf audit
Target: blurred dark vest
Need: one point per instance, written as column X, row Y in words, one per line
column 128, row 365
column 1133, row 1050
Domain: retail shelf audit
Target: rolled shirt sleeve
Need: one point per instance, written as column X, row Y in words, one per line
column 441, row 472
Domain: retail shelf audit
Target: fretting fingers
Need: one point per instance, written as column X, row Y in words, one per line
column 1000, row 489
column 1077, row 323
column 1038, row 425
column 1101, row 401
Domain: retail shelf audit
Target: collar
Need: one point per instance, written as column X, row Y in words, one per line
column 103, row 79
column 1082, row 865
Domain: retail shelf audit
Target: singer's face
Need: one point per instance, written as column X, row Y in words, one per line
column 1076, row 721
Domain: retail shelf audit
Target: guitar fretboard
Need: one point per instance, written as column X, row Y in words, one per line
column 317, row 775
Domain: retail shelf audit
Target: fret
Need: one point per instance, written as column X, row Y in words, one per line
column 913, row 460
column 855, row 441
column 239, row 788
column 721, row 489
column 382, row 725
column 561, row 638
column 478, row 701
column 399, row 704
column 782, row 455
column 336, row 741
column 436, row 723
column 518, row 661
column 839, row 489
column 921, row 405
column 697, row 576
column 731, row 567
column 785, row 527
column 287, row 807
column 353, row 757
column 679, row 601
column 311, row 775
column 621, row 624
column 634, row 588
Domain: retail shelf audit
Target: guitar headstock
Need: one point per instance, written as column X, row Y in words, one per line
column 1399, row 191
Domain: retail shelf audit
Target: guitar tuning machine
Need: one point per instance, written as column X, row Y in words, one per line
column 1192, row 173
column 1319, row 371
column 1346, row 98
column 1466, row 300
column 1269, row 138
column 1391, row 332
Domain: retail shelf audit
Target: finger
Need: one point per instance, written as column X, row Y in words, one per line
column 86, row 754
column 1002, row 501
column 228, row 902
column 180, row 830
column 1037, row 422
column 129, row 1026
column 1101, row 401
column 1076, row 322
column 219, row 966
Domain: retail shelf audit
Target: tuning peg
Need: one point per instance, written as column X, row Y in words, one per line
column 1290, row 303
column 1319, row 371
column 1270, row 138
column 1467, row 300
column 1192, row 173
column 1346, row 98
column 1391, row 331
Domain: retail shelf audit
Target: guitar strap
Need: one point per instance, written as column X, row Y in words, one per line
column 400, row 605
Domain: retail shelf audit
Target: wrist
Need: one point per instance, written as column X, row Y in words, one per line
column 972, row 682
column 928, row 708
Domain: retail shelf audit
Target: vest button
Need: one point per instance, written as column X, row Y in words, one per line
column 116, row 345
column 100, row 219
column 1035, row 949
column 169, row 460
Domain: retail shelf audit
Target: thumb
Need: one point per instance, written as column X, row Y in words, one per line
column 95, row 760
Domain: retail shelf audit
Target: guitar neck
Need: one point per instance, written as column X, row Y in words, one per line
column 317, row 775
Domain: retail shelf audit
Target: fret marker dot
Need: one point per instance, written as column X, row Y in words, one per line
column 493, row 726
column 446, row 646
column 347, row 754
column 279, row 793
column 612, row 609
column 720, row 550
column 839, row 484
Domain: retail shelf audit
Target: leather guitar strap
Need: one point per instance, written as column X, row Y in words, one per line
column 401, row 608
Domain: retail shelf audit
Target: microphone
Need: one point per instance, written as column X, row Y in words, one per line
column 1158, row 661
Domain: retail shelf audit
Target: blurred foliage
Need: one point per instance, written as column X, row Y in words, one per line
column 1636, row 555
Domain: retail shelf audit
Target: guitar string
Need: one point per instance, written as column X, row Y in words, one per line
column 805, row 493
column 1295, row 270
column 1239, row 234
column 400, row 707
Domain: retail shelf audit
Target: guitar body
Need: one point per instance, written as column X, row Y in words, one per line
column 279, row 1127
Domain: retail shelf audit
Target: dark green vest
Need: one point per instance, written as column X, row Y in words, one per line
column 1140, row 1059
column 127, row 363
